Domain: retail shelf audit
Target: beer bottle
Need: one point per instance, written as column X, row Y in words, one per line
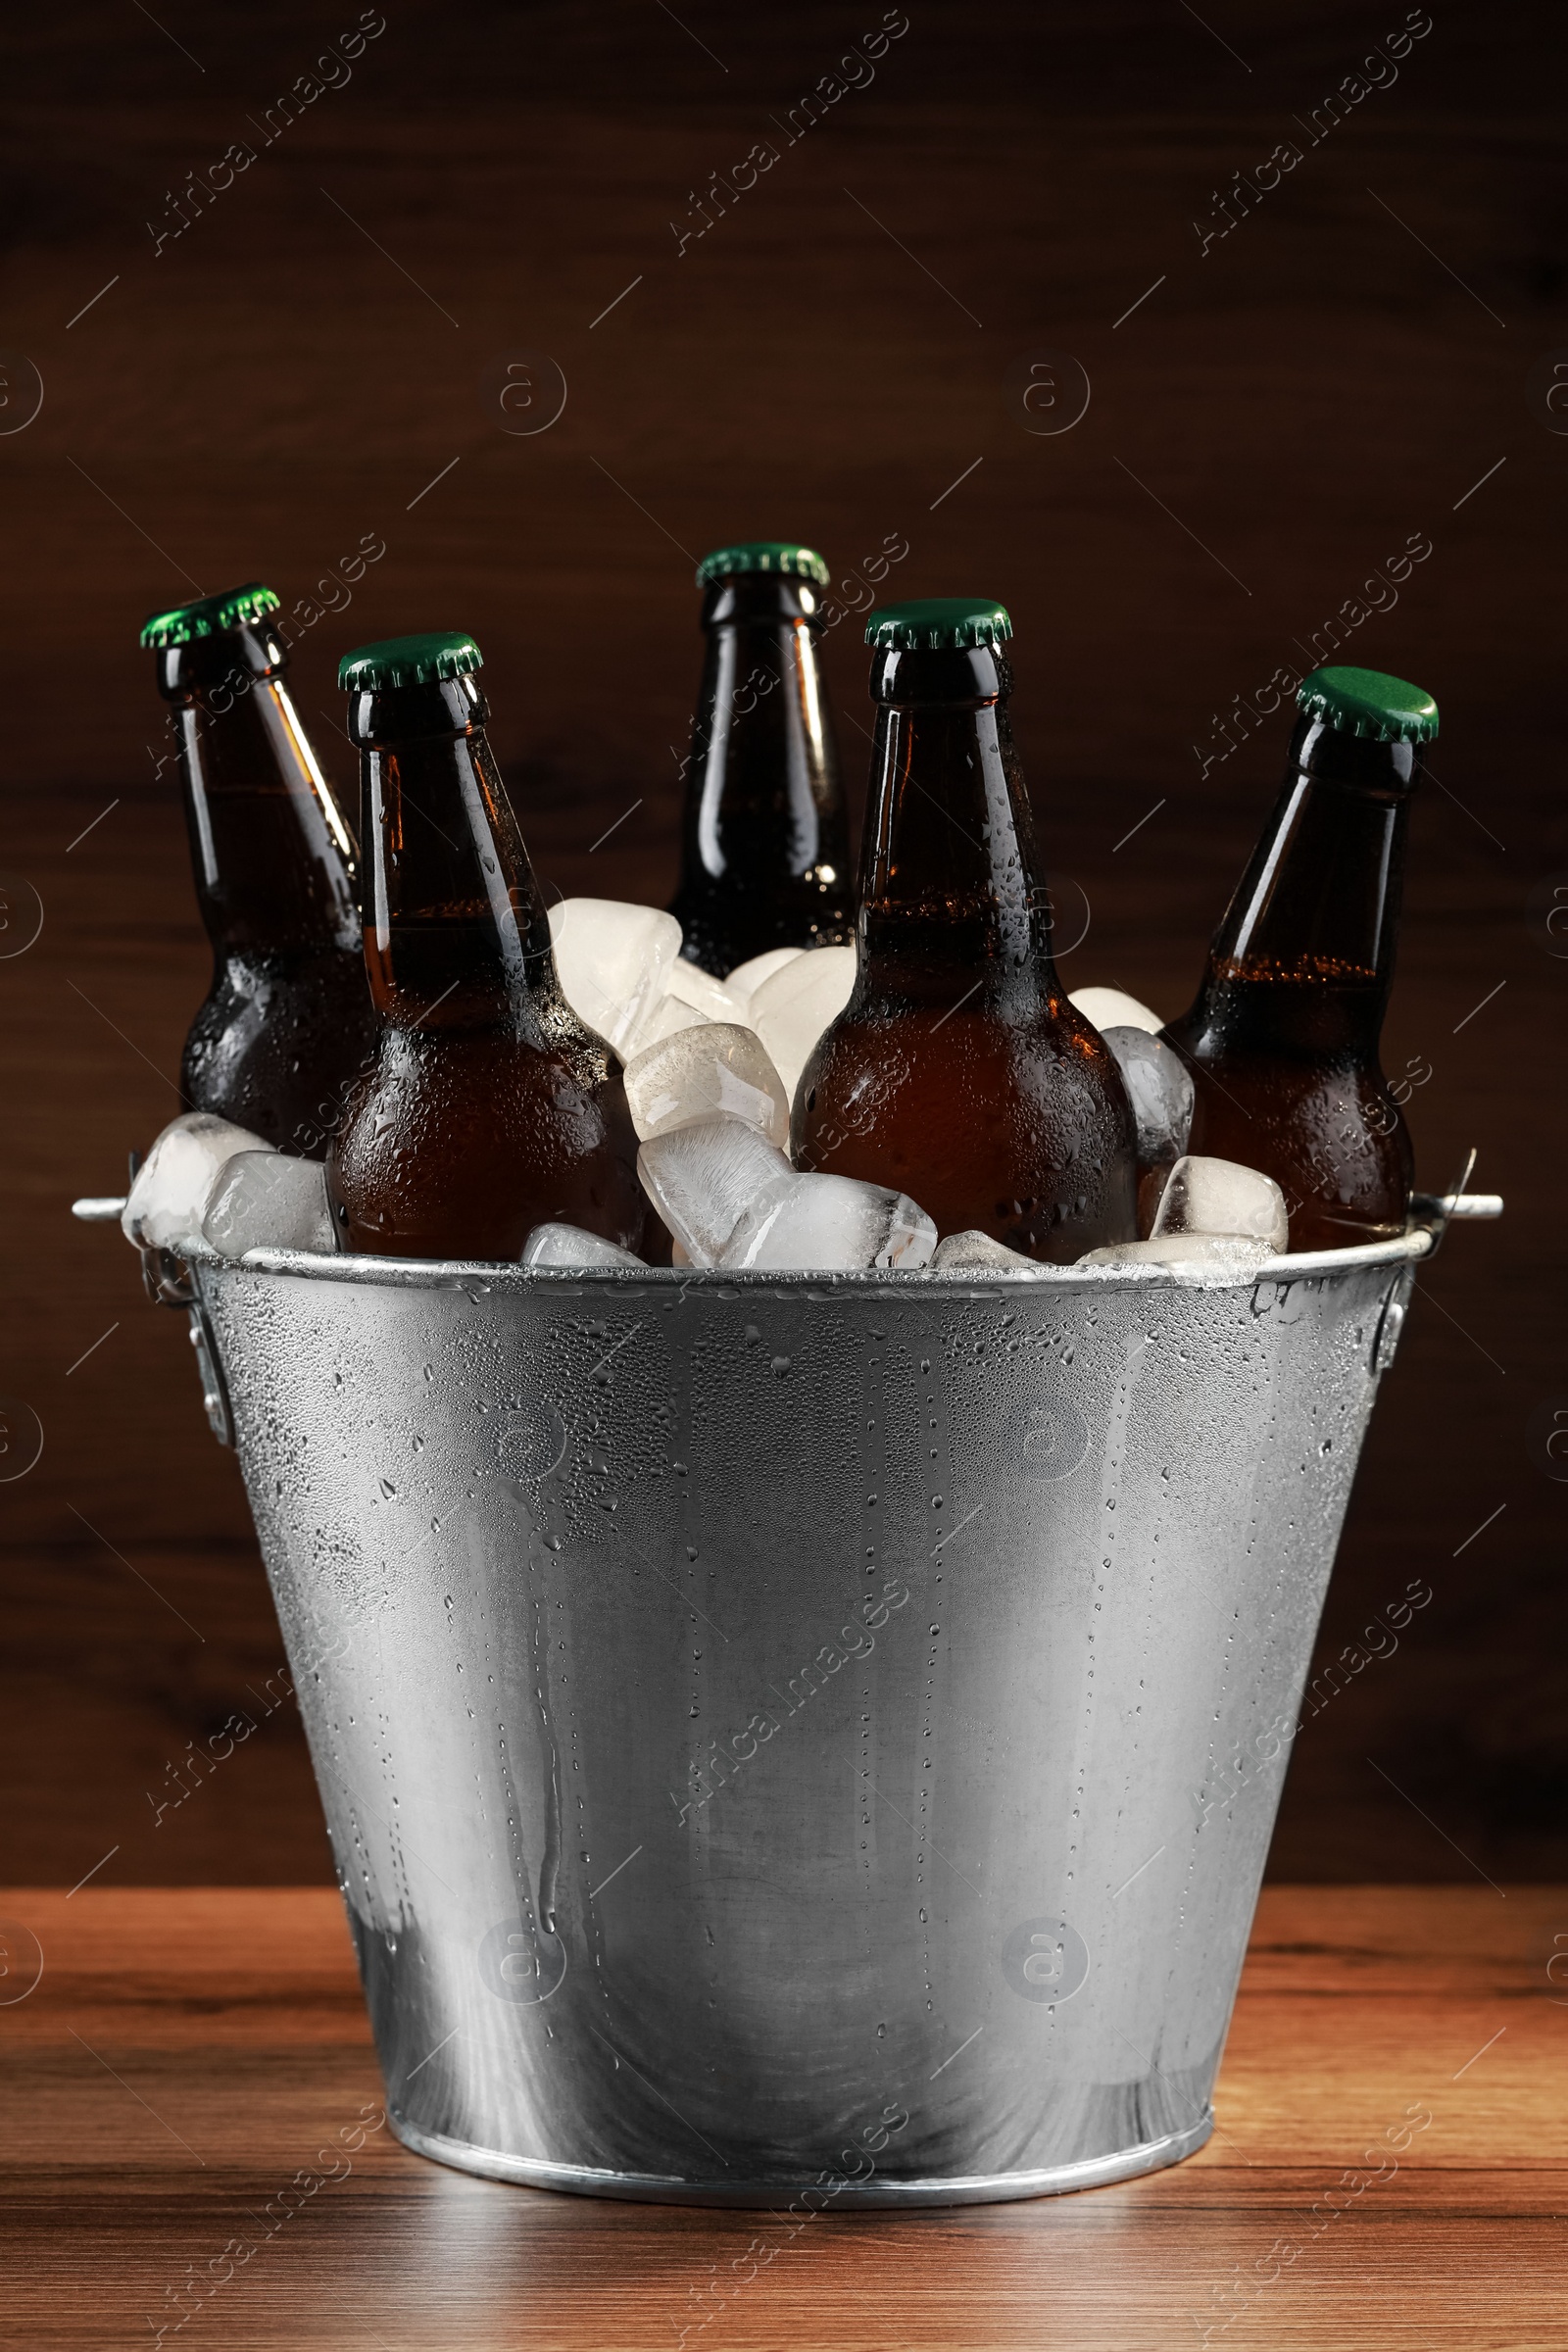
column 1282, row 1038
column 765, row 847
column 287, row 1023
column 959, row 1072
column 490, row 1107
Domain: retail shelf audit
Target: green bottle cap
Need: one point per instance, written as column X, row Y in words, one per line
column 425, row 660
column 209, row 616
column 939, row 624
column 763, row 554
column 1367, row 701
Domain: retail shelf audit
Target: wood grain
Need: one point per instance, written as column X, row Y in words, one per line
column 186, row 2052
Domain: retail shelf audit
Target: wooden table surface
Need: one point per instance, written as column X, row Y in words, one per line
column 186, row 2052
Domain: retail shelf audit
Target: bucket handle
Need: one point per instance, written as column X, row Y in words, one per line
column 169, row 1281
column 1437, row 1211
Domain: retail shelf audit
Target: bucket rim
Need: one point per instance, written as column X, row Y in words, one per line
column 428, row 1273
column 1430, row 1215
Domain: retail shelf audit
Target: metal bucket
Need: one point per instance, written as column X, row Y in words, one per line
column 795, row 1735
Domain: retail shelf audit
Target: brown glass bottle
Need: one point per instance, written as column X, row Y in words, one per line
column 287, row 1024
column 490, row 1108
column 1282, row 1038
column 959, row 1072
column 765, row 846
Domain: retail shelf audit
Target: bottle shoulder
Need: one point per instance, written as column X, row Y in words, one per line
column 1257, row 1020
column 1041, row 1067
column 492, row 1059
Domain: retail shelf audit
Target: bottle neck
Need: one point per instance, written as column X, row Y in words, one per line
column 763, row 800
column 456, row 932
column 1303, row 959
column 952, row 898
column 273, row 857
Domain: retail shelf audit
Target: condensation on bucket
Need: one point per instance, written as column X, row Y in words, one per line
column 798, row 1730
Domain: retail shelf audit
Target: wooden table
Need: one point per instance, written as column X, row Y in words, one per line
column 186, row 2053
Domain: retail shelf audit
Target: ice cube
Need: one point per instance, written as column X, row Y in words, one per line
column 1112, row 1009
column 570, row 1245
column 688, row 984
column 1213, row 1261
column 1160, row 1088
column 1221, row 1196
column 746, row 978
column 175, row 1179
column 791, row 1008
column 978, row 1250
column 667, row 1019
column 719, row 1070
column 613, row 959
column 731, row 1198
column 263, row 1199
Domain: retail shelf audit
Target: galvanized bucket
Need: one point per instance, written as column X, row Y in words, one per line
column 799, row 1736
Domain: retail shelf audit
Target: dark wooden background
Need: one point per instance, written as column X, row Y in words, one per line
column 1276, row 419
